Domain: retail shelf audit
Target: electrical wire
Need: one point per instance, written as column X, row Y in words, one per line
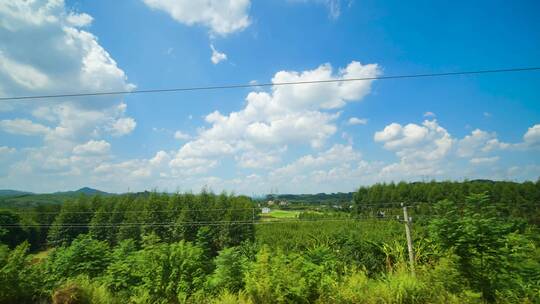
column 190, row 210
column 361, row 206
column 236, row 86
column 210, row 223
column 136, row 211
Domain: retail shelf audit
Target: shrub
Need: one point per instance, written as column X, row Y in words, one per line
column 83, row 290
column 85, row 256
column 275, row 278
column 228, row 274
column 170, row 272
column 16, row 279
column 279, row 278
column 121, row 274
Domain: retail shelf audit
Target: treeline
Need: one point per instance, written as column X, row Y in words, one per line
column 520, row 200
column 204, row 217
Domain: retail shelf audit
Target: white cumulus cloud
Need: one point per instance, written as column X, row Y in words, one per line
column 160, row 158
column 479, row 141
column 420, row 148
column 93, row 147
column 123, row 126
column 221, row 16
column 338, row 168
column 23, row 127
column 429, row 150
column 68, row 58
column 284, row 116
column 532, row 136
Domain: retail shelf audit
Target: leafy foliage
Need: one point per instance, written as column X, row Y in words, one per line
column 494, row 253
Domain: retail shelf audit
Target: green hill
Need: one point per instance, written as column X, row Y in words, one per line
column 12, row 192
column 22, row 199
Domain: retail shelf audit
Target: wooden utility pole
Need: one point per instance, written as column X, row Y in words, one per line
column 409, row 238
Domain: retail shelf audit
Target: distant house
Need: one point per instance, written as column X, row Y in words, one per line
column 265, row 210
column 283, row 203
column 270, row 203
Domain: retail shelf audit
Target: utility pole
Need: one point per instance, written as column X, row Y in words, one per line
column 409, row 238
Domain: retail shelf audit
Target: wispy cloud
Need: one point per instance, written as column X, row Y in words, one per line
column 353, row 121
column 217, row 56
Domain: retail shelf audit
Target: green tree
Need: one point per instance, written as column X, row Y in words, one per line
column 487, row 245
column 72, row 220
column 11, row 230
column 155, row 216
column 129, row 227
column 100, row 225
column 85, row 256
column 229, row 271
column 170, row 273
column 16, row 279
column 121, row 275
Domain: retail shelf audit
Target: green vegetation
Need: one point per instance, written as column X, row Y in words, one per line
column 511, row 199
column 471, row 246
column 281, row 214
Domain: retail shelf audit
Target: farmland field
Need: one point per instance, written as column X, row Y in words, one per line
column 280, row 214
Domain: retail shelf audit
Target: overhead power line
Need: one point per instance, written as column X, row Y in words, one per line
column 180, row 210
column 250, row 85
column 361, row 206
column 202, row 223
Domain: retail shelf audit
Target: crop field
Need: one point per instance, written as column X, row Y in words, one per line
column 280, row 214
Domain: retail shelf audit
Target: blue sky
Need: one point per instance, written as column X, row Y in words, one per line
column 302, row 139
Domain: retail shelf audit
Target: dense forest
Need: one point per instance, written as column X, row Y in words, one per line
column 474, row 242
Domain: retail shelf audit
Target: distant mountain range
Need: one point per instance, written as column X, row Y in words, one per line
column 83, row 190
column 22, row 199
column 87, row 191
column 13, row 192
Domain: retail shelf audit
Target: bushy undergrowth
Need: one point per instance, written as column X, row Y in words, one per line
column 179, row 273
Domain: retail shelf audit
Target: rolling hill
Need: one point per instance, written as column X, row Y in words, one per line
column 23, row 199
